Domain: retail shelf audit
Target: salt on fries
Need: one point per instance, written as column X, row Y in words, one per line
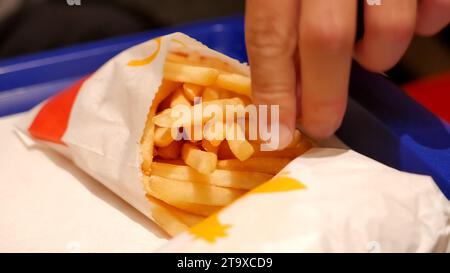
column 187, row 180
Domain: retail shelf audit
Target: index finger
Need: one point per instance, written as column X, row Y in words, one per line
column 271, row 39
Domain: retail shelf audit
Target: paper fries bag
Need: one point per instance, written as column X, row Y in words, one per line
column 329, row 200
column 99, row 121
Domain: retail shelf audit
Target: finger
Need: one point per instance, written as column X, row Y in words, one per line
column 298, row 87
column 327, row 34
column 433, row 15
column 271, row 39
column 388, row 30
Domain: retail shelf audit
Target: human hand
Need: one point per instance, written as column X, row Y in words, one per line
column 300, row 52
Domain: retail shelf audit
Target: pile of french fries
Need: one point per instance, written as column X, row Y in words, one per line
column 189, row 179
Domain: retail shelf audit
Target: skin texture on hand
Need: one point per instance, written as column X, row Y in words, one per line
column 300, row 52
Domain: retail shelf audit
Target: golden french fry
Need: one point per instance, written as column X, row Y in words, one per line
column 225, row 94
column 165, row 218
column 214, row 131
column 195, row 59
column 245, row 180
column 166, row 88
column 174, row 117
column 172, row 151
column 239, row 146
column 216, row 63
column 165, row 119
column 242, row 149
column 190, row 74
column 176, row 58
column 295, row 139
column 210, row 94
column 267, row 165
column 168, row 222
column 162, row 137
column 235, row 82
column 196, row 209
column 170, row 161
column 197, row 193
column 178, row 98
column 192, row 133
column 201, row 161
column 209, row 147
column 192, row 91
column 188, row 219
column 291, row 153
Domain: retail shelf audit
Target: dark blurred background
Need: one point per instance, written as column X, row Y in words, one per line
column 28, row 26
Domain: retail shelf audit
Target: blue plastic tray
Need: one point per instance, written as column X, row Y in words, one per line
column 382, row 122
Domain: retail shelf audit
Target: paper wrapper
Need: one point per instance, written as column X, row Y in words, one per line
column 327, row 200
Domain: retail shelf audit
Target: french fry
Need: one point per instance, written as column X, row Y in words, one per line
column 214, row 132
column 164, row 119
column 267, row 165
column 190, row 74
column 295, row 139
column 187, row 218
column 172, row 151
column 166, row 88
column 194, row 58
column 209, row 147
column 235, row 82
column 196, row 209
column 197, row 193
column 162, row 137
column 170, row 117
column 168, row 222
column 239, row 146
column 201, row 161
column 177, row 58
column 215, row 63
column 192, row 91
column 192, row 133
column 178, row 98
column 210, row 94
column 244, row 180
column 291, row 153
column 241, row 149
column 179, row 162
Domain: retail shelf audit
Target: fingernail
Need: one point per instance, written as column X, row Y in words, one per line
column 321, row 129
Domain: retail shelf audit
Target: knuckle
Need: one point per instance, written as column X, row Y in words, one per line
column 398, row 28
column 273, row 91
column 268, row 38
column 328, row 34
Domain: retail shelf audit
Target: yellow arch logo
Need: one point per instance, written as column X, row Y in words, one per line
column 150, row 58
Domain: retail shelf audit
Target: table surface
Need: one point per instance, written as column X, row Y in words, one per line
column 49, row 205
